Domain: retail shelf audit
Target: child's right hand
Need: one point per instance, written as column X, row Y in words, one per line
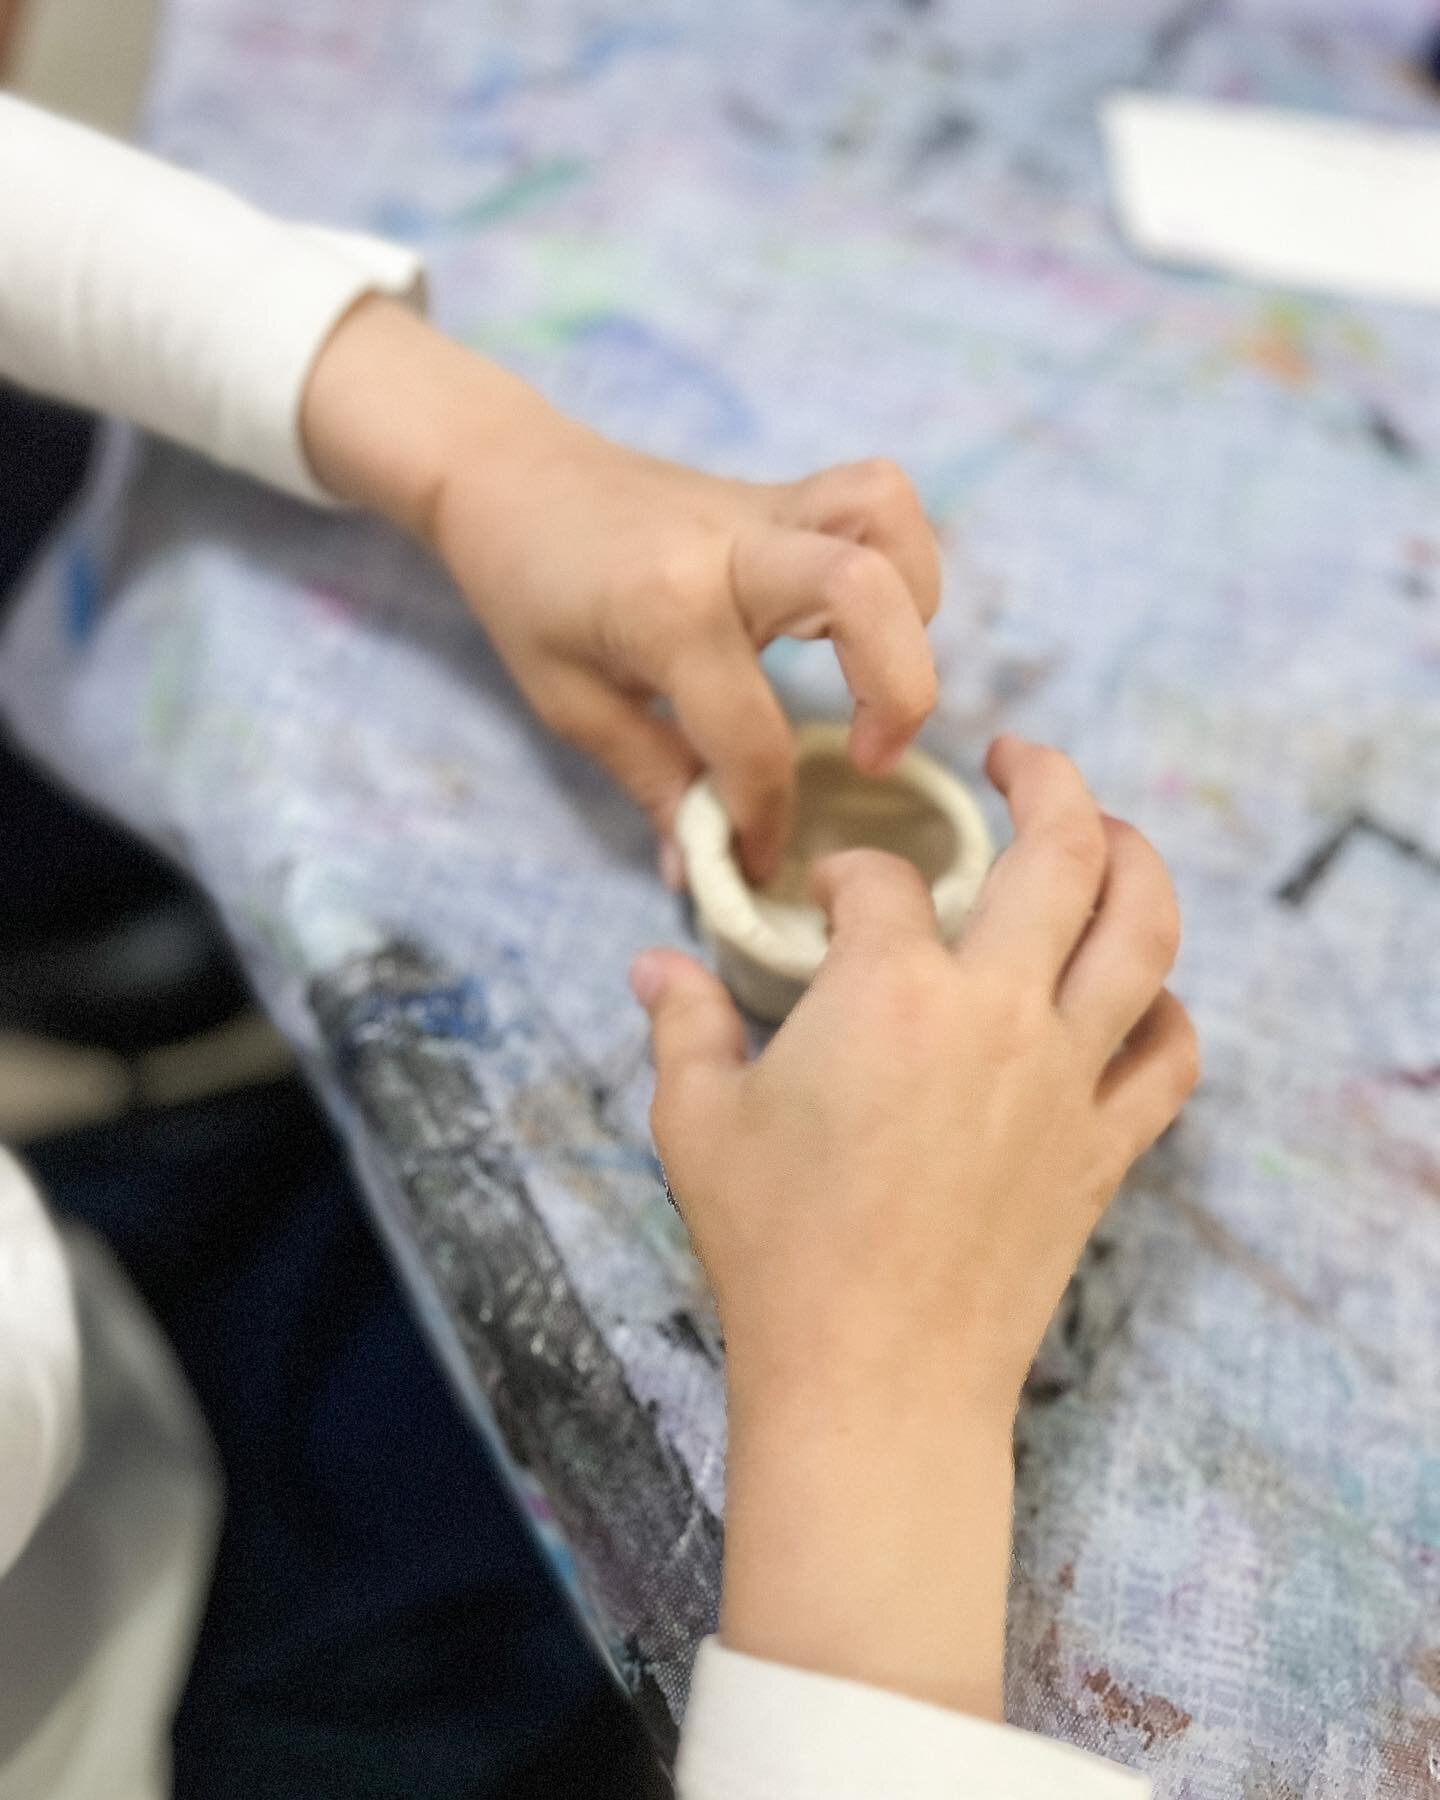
column 889, row 1203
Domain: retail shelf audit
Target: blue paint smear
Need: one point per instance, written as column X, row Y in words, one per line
column 454, row 1013
column 505, row 75
column 81, row 596
column 401, row 219
column 612, row 42
column 502, row 76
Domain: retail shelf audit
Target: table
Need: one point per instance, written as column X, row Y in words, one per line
column 1192, row 533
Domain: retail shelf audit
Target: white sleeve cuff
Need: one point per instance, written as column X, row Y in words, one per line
column 758, row 1731
column 39, row 1363
column 137, row 289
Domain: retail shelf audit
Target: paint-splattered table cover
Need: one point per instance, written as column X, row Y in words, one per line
column 1194, row 537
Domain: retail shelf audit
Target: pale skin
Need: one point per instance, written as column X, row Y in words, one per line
column 889, row 1202
column 610, row 581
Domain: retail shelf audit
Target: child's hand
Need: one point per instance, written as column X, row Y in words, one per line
column 889, row 1203
column 610, row 580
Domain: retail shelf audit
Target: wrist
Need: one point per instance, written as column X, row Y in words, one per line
column 869, row 1536
column 955, row 1386
column 393, row 408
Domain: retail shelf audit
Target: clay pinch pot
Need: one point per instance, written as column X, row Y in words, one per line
column 769, row 942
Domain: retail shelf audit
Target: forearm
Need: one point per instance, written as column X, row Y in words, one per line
column 869, row 1537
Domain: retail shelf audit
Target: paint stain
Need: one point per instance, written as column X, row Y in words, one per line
column 1296, row 889
column 528, row 189
column 1412, row 1756
column 1388, row 437
column 81, row 595
column 1271, row 1786
column 1427, row 1667
column 752, row 122
column 1413, row 1163
column 1421, row 1081
column 946, row 134
column 1157, row 1719
column 1277, row 350
column 1222, row 1242
column 683, row 1330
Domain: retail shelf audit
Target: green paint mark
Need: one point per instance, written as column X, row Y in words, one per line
column 525, row 190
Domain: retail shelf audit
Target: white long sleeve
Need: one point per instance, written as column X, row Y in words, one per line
column 133, row 288
column 39, row 1363
column 757, row 1731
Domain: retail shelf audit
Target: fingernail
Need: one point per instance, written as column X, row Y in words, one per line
column 672, row 866
column 647, row 978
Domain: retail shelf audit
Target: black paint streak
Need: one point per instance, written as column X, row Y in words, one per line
column 1094, row 1311
column 946, row 134
column 1173, row 36
column 1421, row 1081
column 1397, row 444
column 747, row 118
column 1297, row 888
column 681, row 1329
column 452, row 1193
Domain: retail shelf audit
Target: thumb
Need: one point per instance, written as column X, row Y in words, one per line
column 694, row 1026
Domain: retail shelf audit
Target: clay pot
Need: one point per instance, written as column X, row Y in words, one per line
column 768, row 942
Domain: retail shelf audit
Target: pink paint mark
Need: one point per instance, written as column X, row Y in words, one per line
column 1172, row 785
column 1422, row 1080
column 333, row 605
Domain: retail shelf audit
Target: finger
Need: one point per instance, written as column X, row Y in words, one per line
column 694, row 1026
column 1152, row 1077
column 1040, row 894
column 874, row 503
column 1123, row 959
column 645, row 755
column 804, row 584
column 732, row 720
column 869, row 894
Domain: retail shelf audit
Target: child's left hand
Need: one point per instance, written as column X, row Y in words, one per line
column 610, row 580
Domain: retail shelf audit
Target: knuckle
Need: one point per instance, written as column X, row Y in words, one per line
column 909, row 980
column 884, row 485
column 673, row 586
column 1013, row 1015
column 849, row 584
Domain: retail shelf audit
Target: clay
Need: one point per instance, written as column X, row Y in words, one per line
column 768, row 942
